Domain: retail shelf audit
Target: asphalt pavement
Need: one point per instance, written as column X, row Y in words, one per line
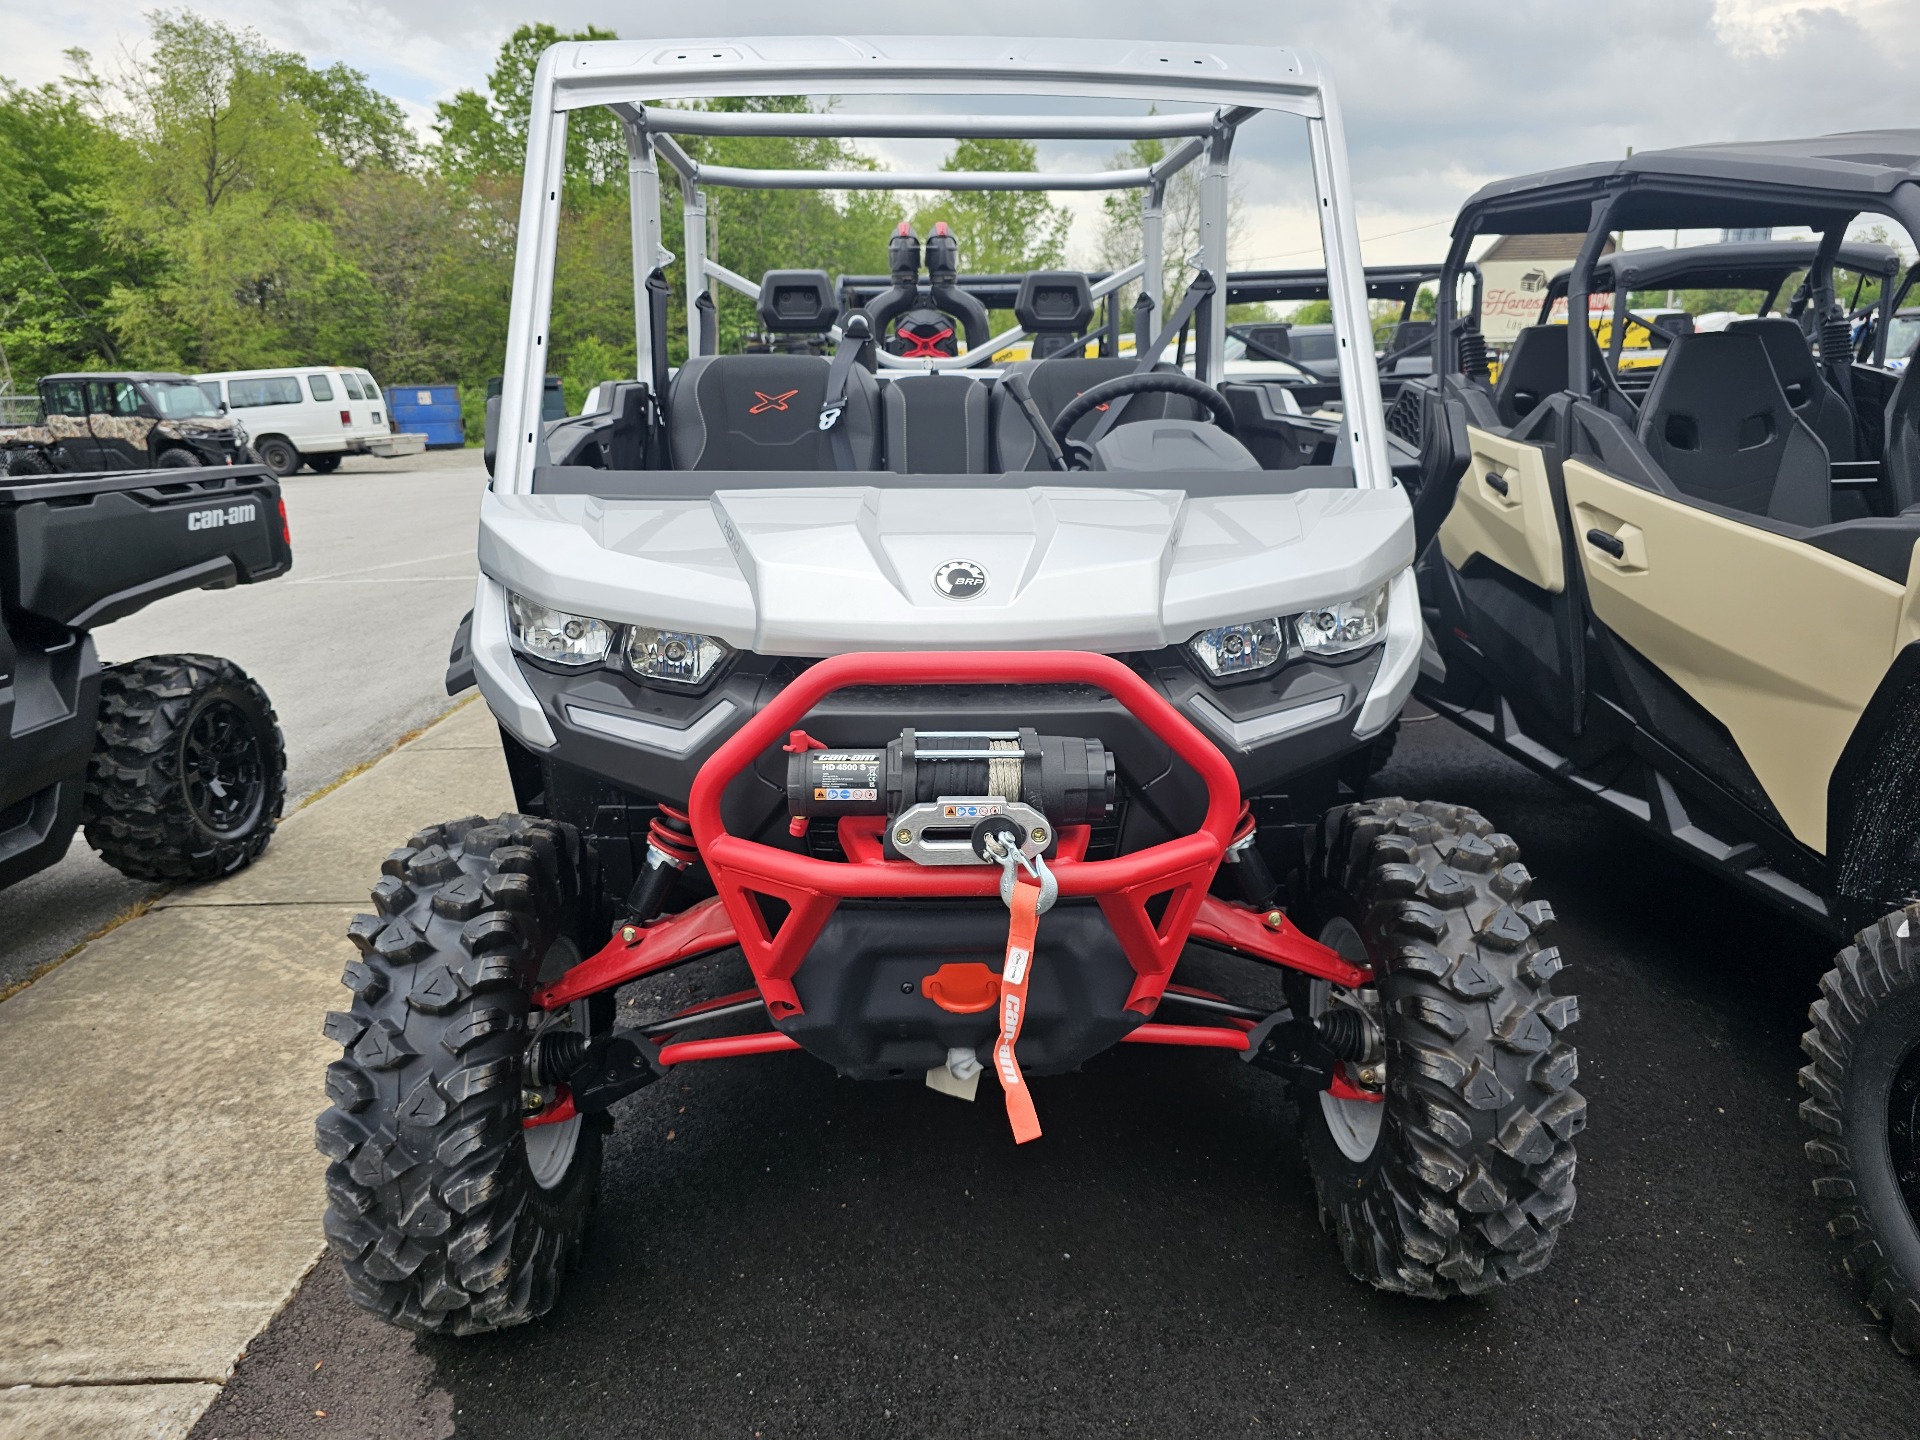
column 780, row 1253
column 351, row 647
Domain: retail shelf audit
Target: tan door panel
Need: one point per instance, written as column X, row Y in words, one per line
column 1782, row 643
column 1504, row 511
column 1910, row 609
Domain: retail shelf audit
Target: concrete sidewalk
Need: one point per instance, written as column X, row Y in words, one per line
column 160, row 1194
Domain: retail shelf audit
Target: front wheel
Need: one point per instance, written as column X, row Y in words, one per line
column 1459, row 1178
column 189, row 770
column 1864, row 1098
column 178, row 459
column 445, row 1212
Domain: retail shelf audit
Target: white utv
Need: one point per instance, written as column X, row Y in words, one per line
column 969, row 713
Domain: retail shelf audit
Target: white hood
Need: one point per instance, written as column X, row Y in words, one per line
column 818, row 571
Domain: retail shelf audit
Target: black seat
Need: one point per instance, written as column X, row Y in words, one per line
column 1718, row 422
column 1535, row 368
column 1812, row 398
column 1901, row 469
column 762, row 412
column 1053, row 383
column 936, row 425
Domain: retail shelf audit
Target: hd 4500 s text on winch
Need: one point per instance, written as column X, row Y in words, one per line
column 960, row 704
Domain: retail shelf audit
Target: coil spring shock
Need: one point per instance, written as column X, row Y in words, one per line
column 1258, row 887
column 1473, row 354
column 670, row 849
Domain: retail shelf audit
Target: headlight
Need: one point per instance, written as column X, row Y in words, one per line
column 1347, row 625
column 1230, row 650
column 555, row 635
column 681, row 657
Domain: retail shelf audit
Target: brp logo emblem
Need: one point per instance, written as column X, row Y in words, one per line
column 960, row 579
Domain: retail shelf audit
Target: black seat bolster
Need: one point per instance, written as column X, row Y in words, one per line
column 1808, row 390
column 936, row 425
column 1901, row 475
column 1053, row 383
column 1535, row 368
column 1718, row 423
column 762, row 412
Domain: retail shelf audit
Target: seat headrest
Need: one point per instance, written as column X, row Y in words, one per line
column 797, row 302
column 1058, row 302
column 1786, row 347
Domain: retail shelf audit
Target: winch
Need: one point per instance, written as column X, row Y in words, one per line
column 945, row 791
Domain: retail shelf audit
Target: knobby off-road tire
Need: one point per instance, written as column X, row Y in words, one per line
column 189, row 770
column 446, row 1214
column 1469, row 1175
column 178, row 459
column 1864, row 1100
column 324, row 464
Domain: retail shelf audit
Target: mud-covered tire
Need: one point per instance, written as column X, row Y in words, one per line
column 278, row 454
column 433, row 1207
column 1863, row 1084
column 189, row 769
column 1471, row 1175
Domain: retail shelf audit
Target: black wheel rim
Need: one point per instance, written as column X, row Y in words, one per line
column 1903, row 1130
column 224, row 773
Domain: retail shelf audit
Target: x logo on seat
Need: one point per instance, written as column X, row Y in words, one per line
column 771, row 402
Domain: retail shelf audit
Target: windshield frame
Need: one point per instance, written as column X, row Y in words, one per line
column 152, row 390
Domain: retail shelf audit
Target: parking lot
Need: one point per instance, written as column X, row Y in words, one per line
column 894, row 1266
column 781, row 1253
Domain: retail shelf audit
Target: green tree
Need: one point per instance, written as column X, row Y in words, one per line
column 59, row 265
column 999, row 231
column 487, row 134
column 235, row 188
column 361, row 127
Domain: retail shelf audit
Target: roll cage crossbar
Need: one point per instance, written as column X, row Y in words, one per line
column 1232, row 83
column 1821, row 184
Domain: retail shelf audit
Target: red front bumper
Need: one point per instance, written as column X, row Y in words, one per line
column 742, row 870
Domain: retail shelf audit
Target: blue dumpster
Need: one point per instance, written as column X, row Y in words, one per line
column 430, row 410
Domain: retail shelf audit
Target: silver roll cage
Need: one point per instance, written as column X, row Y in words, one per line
column 1233, row 83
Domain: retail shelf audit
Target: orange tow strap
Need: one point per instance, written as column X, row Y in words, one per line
column 1014, row 975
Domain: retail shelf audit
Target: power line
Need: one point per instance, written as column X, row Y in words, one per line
column 1364, row 240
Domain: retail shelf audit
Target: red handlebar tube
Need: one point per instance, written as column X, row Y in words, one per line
column 742, row 868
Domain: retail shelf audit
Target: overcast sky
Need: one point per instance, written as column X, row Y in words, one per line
column 1439, row 96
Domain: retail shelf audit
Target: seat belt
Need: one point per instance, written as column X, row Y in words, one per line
column 1198, row 294
column 659, row 292
column 854, row 339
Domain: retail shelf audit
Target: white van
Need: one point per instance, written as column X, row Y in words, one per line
column 316, row 416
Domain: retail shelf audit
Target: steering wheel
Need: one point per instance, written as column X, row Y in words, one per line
column 1170, row 382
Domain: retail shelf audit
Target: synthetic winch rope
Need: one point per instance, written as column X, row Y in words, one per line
column 1003, row 771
